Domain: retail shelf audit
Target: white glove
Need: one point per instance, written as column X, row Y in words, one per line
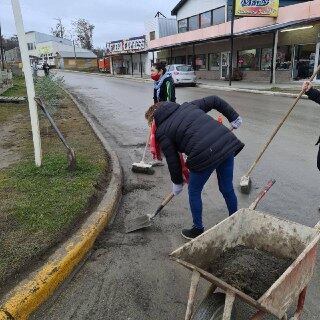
column 236, row 123
column 177, row 189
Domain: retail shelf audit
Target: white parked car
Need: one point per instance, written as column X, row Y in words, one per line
column 182, row 74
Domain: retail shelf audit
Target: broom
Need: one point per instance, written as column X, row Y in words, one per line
column 142, row 166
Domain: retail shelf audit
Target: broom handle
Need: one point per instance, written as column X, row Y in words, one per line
column 146, row 147
column 163, row 204
column 280, row 125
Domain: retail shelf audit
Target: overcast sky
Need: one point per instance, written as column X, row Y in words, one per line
column 113, row 19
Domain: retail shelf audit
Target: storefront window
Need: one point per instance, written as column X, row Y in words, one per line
column 304, row 61
column 170, row 61
column 266, row 58
column 190, row 60
column 248, row 59
column 218, row 15
column 183, row 25
column 283, row 58
column 193, row 23
column 205, row 19
column 201, row 62
column 180, row 60
column 152, row 35
column 214, row 61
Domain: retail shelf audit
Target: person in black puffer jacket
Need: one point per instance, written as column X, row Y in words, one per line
column 208, row 145
column 313, row 95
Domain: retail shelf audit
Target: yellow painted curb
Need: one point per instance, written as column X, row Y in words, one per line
column 32, row 292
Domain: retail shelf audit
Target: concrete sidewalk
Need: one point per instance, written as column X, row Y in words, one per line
column 296, row 85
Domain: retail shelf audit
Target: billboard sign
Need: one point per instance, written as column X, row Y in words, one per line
column 126, row 45
column 257, row 8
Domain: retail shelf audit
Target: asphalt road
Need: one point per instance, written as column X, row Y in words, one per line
column 129, row 276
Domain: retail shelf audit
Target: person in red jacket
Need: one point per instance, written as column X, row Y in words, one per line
column 314, row 95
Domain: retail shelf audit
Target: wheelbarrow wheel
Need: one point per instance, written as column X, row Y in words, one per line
column 212, row 308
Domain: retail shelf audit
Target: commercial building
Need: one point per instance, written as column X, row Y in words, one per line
column 58, row 52
column 128, row 56
column 279, row 49
column 131, row 56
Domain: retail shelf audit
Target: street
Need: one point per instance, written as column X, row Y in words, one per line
column 130, row 276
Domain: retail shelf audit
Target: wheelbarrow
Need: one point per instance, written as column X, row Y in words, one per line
column 255, row 230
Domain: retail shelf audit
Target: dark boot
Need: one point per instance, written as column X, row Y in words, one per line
column 191, row 233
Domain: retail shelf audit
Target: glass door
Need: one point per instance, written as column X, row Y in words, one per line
column 225, row 57
column 304, row 61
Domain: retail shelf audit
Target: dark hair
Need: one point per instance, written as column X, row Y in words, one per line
column 150, row 112
column 160, row 66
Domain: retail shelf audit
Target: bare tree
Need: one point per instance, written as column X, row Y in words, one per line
column 83, row 30
column 100, row 52
column 10, row 43
column 58, row 30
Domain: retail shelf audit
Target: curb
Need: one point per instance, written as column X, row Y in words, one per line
column 266, row 93
column 201, row 85
column 27, row 296
column 109, row 75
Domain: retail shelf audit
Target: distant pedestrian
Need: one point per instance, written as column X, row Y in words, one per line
column 164, row 89
column 314, row 95
column 46, row 68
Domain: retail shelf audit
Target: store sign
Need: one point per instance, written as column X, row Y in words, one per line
column 257, row 8
column 129, row 45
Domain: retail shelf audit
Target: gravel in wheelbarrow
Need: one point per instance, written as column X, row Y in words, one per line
column 252, row 271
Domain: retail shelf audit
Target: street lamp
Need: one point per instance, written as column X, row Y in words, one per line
column 29, row 81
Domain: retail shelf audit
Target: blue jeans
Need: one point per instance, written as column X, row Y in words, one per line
column 225, row 181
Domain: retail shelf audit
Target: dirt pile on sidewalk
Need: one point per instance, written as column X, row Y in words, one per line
column 249, row 270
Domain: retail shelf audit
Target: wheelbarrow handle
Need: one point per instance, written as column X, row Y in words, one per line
column 262, row 194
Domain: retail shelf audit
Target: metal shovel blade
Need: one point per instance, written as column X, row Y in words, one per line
column 138, row 223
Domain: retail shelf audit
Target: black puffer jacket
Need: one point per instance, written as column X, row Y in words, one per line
column 314, row 95
column 188, row 129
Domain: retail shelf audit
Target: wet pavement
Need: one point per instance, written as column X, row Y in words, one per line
column 130, row 276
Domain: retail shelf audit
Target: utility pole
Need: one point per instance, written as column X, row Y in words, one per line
column 29, row 81
column 1, row 49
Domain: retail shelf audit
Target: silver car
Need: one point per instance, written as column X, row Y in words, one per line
column 182, row 74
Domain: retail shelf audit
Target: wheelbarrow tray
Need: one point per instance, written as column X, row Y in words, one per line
column 262, row 231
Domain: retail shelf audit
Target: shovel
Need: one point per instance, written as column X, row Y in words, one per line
column 146, row 221
column 245, row 182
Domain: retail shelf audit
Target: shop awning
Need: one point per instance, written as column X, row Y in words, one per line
column 278, row 26
column 252, row 32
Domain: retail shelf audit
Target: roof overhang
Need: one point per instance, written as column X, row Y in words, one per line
column 252, row 32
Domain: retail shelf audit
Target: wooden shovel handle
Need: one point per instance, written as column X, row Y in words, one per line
column 280, row 125
column 163, row 204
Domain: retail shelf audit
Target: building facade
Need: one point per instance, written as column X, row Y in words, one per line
column 131, row 56
column 128, row 56
column 58, row 52
column 266, row 49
